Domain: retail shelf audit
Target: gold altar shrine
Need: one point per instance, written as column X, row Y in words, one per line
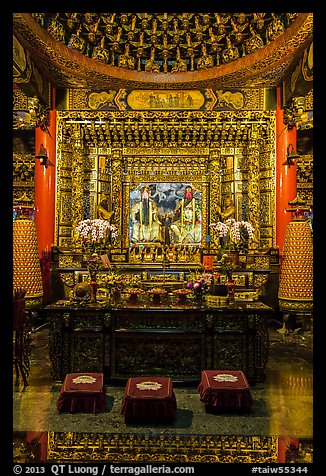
column 107, row 161
column 99, row 168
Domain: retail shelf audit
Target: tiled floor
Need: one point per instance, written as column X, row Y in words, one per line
column 282, row 404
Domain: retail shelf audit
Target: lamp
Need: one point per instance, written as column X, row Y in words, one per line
column 26, row 263
column 295, row 292
column 42, row 156
column 290, row 156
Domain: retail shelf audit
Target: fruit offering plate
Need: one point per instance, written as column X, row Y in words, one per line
column 134, row 293
column 157, row 293
column 181, row 294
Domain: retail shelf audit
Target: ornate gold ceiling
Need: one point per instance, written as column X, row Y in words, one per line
column 163, row 50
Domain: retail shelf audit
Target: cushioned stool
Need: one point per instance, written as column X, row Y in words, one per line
column 225, row 391
column 82, row 392
column 148, row 399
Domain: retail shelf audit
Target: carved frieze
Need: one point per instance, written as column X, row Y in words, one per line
column 225, row 323
column 229, row 352
column 180, row 346
column 87, row 352
column 118, row 58
column 160, row 322
column 173, row 355
column 134, row 448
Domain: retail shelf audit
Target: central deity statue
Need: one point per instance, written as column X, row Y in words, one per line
column 145, row 222
column 187, row 218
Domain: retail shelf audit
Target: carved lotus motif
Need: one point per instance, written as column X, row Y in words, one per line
column 148, row 385
column 225, row 378
column 84, row 379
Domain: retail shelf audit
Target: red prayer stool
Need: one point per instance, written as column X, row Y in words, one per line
column 225, row 391
column 82, row 392
column 148, row 399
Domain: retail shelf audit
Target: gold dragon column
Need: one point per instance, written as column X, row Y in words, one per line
column 254, row 185
column 77, row 183
column 116, row 192
column 215, row 186
column 214, row 190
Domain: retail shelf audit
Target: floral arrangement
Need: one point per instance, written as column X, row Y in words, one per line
column 200, row 283
column 96, row 234
column 234, row 235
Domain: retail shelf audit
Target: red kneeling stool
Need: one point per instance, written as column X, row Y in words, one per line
column 225, row 391
column 82, row 392
column 148, row 399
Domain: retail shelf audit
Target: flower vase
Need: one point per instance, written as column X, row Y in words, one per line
column 231, row 291
column 234, row 256
column 94, row 286
column 93, row 266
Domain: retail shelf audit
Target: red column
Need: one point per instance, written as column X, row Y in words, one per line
column 284, row 445
column 286, row 187
column 45, row 188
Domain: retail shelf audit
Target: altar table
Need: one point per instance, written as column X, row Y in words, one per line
column 170, row 339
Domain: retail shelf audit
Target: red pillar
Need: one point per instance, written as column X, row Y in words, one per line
column 284, row 445
column 45, row 188
column 286, row 188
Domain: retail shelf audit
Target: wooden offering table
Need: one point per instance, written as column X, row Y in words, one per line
column 170, row 339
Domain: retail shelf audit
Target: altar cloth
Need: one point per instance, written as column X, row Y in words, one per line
column 82, row 392
column 148, row 398
column 225, row 391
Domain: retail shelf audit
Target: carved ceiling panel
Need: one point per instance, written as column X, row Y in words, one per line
column 159, row 50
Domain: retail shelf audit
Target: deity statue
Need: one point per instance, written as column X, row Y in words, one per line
column 103, row 210
column 187, row 218
column 205, row 61
column 145, row 223
column 228, row 208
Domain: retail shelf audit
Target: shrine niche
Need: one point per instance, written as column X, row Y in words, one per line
column 176, row 184
column 165, row 212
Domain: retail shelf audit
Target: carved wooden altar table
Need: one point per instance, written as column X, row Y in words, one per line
column 169, row 339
